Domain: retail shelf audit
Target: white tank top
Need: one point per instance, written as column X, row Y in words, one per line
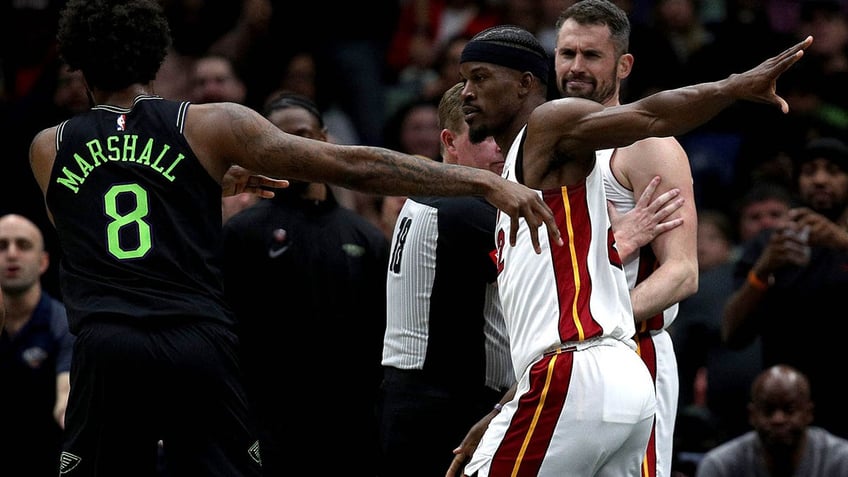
column 568, row 293
column 642, row 264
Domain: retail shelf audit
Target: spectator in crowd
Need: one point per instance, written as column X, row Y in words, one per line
column 424, row 26
column 783, row 441
column 762, row 207
column 551, row 147
column 715, row 380
column 35, row 355
column 697, row 338
column 214, row 79
column 414, row 129
column 329, row 265
column 301, row 77
column 800, row 270
column 443, row 309
column 446, row 68
column 828, row 58
column 141, row 232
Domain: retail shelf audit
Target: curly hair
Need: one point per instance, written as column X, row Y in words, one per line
column 115, row 43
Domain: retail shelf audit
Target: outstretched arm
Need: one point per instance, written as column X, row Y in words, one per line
column 223, row 134
column 669, row 113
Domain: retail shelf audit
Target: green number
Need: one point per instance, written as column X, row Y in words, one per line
column 122, row 220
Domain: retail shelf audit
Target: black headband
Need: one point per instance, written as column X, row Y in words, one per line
column 506, row 55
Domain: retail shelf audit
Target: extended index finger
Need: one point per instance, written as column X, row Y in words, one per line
column 648, row 193
column 554, row 233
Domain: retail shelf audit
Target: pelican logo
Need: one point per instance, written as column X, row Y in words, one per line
column 280, row 243
column 68, row 462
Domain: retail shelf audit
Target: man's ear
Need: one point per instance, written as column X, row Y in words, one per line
column 447, row 138
column 625, row 66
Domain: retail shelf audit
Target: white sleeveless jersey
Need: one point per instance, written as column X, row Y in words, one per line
column 652, row 340
column 642, row 264
column 570, row 293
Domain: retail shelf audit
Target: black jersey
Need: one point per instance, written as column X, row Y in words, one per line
column 138, row 217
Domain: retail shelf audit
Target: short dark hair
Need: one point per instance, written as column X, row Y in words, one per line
column 115, row 43
column 601, row 12
column 287, row 100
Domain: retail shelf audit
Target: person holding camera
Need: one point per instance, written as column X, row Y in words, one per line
column 789, row 280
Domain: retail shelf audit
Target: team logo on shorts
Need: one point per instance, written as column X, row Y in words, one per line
column 68, row 462
column 254, row 453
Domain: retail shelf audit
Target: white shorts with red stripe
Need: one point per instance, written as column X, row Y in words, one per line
column 577, row 411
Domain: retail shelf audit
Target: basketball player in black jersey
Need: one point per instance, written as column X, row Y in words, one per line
column 134, row 187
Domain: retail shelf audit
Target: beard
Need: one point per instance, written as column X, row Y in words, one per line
column 477, row 134
column 587, row 89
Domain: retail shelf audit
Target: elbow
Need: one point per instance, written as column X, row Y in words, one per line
column 691, row 283
column 689, row 280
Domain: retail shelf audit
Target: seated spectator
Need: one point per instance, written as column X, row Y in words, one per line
column 783, row 443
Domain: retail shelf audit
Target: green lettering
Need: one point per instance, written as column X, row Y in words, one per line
column 146, row 153
column 71, row 180
column 129, row 147
column 167, row 173
column 96, row 151
column 114, row 151
column 84, row 167
column 155, row 164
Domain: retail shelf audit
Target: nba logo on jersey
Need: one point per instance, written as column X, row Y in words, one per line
column 122, row 122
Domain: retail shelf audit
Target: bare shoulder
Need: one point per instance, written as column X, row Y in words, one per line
column 219, row 116
column 221, row 133
column 662, row 148
column 646, row 158
column 43, row 146
column 565, row 111
column 564, row 122
column 42, row 154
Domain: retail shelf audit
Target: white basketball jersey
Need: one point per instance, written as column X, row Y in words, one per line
column 642, row 264
column 568, row 293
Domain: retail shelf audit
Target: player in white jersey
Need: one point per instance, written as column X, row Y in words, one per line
column 653, row 341
column 571, row 327
column 592, row 59
column 584, row 401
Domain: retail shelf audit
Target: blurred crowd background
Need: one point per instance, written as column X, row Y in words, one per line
column 378, row 68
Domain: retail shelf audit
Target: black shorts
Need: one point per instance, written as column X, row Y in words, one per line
column 133, row 387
